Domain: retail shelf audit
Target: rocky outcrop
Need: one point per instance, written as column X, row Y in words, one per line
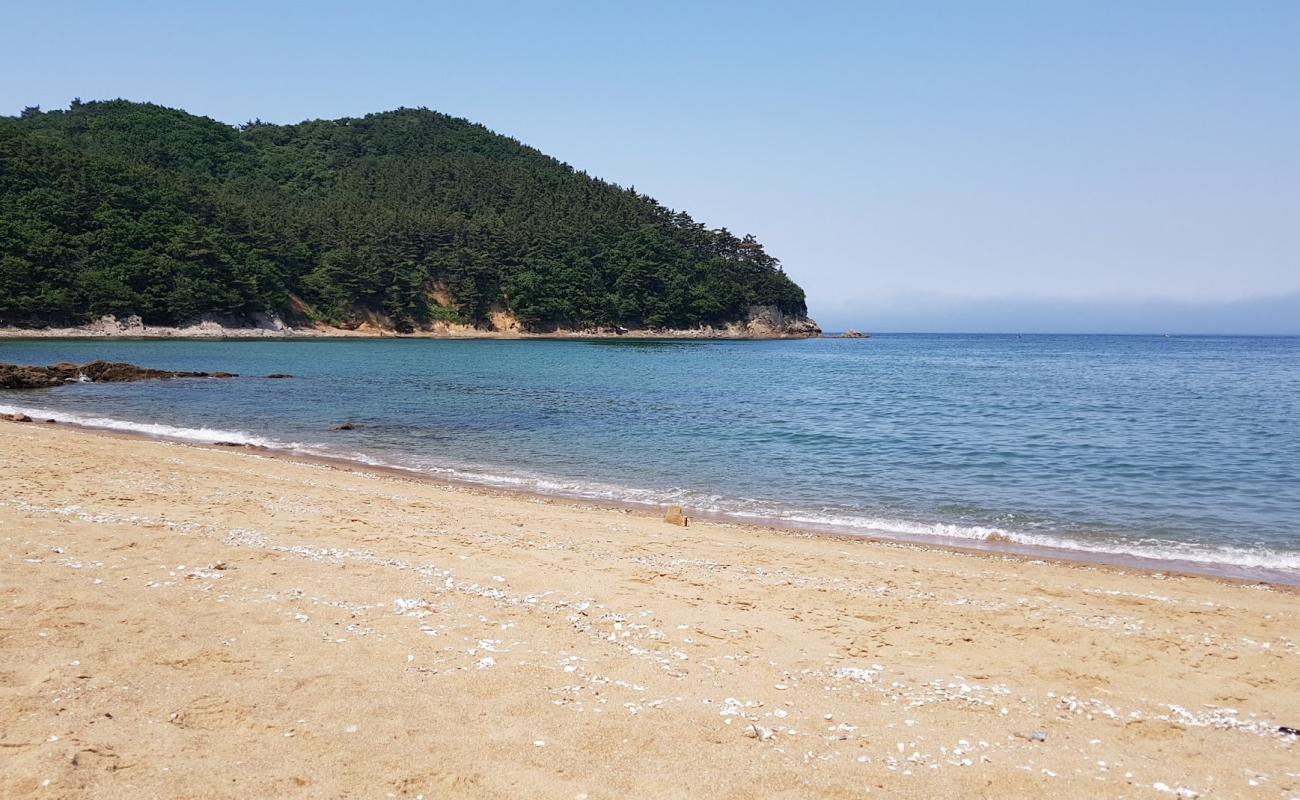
column 208, row 326
column 14, row 376
column 769, row 322
column 761, row 322
column 852, row 334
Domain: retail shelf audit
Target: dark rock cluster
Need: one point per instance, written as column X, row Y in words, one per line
column 15, row 376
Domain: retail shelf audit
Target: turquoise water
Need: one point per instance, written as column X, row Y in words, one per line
column 1184, row 449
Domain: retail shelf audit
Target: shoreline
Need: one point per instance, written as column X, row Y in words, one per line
column 312, row 334
column 212, row 622
column 764, row 323
column 1150, row 565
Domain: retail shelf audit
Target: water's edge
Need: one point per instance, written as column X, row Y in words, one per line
column 1232, row 563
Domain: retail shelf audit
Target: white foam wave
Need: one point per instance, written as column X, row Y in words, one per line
column 201, row 435
column 1148, row 550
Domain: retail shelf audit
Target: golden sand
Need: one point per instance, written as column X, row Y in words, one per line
column 180, row 621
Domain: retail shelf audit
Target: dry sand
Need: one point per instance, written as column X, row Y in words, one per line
column 178, row 621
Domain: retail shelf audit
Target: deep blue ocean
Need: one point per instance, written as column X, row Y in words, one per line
column 1185, row 450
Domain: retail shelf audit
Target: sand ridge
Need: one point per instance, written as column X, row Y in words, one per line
column 185, row 621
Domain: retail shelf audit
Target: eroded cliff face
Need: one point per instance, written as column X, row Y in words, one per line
column 769, row 322
column 763, row 322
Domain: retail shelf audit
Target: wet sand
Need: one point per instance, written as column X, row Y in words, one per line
column 201, row 622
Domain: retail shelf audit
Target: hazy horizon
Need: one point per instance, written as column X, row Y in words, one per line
column 1106, row 168
column 1259, row 316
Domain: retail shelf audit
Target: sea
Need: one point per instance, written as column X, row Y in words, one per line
column 1177, row 453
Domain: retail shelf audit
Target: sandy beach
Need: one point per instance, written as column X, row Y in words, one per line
column 183, row 621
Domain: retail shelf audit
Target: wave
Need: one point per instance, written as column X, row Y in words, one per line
column 1144, row 552
column 1147, row 549
column 200, row 435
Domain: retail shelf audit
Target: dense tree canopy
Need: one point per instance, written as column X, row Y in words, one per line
column 126, row 208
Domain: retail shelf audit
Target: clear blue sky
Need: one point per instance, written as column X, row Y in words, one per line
column 917, row 166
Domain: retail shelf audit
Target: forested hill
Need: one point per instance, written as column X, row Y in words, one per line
column 134, row 209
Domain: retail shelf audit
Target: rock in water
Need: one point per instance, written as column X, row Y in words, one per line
column 852, row 334
column 676, row 517
column 347, row 426
column 13, row 376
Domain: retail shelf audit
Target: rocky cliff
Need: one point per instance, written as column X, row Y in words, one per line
column 762, row 322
